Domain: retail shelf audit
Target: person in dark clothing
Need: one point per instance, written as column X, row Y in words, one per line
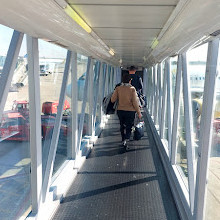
column 127, row 106
column 136, row 80
column 138, row 84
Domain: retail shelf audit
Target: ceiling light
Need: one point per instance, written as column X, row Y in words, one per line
column 154, row 43
column 73, row 14
column 77, row 19
column 111, row 51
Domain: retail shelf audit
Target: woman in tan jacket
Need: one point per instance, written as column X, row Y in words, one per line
column 128, row 104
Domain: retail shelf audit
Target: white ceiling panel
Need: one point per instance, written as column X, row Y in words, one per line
column 132, row 56
column 124, row 16
column 139, row 48
column 127, row 43
column 136, row 56
column 127, row 34
column 131, row 2
column 128, row 49
column 127, row 26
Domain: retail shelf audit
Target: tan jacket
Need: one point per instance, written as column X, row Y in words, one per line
column 127, row 98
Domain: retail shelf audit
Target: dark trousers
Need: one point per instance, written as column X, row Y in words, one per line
column 126, row 119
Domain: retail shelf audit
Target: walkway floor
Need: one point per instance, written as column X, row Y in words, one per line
column 118, row 185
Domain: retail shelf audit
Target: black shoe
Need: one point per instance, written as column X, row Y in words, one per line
column 123, row 143
column 126, row 146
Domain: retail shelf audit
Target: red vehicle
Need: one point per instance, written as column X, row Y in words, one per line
column 22, row 107
column 50, row 108
column 15, row 124
column 47, row 125
column 14, row 127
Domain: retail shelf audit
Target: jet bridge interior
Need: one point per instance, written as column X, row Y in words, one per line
column 59, row 59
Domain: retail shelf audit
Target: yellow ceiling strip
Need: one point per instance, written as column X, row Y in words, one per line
column 77, row 18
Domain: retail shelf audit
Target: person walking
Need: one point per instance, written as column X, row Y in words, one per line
column 128, row 105
column 136, row 80
column 138, row 84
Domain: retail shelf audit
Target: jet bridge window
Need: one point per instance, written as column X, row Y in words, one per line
column 14, row 134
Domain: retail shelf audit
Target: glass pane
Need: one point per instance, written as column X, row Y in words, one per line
column 96, row 94
column 196, row 66
column 81, row 78
column 88, row 117
column 113, row 76
column 15, row 139
column 149, row 93
column 107, row 80
column 65, row 141
column 155, row 94
column 162, row 91
column 52, row 61
column 159, row 98
column 166, row 112
column 173, row 70
column 181, row 157
column 5, row 38
column 213, row 184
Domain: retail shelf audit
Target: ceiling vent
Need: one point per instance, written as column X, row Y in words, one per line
column 216, row 33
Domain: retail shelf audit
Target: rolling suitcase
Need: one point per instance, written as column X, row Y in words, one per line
column 139, row 131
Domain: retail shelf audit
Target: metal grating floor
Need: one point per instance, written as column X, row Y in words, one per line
column 117, row 185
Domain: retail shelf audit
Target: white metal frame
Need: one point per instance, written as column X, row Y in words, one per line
column 164, row 101
column 119, row 75
column 169, row 104
column 74, row 106
column 111, row 79
column 35, row 122
column 150, row 97
column 100, row 90
column 176, row 110
column 105, row 71
column 155, row 93
column 96, row 92
column 91, row 99
column 106, row 80
column 159, row 95
column 115, row 76
column 206, row 129
column 188, row 131
column 151, row 91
